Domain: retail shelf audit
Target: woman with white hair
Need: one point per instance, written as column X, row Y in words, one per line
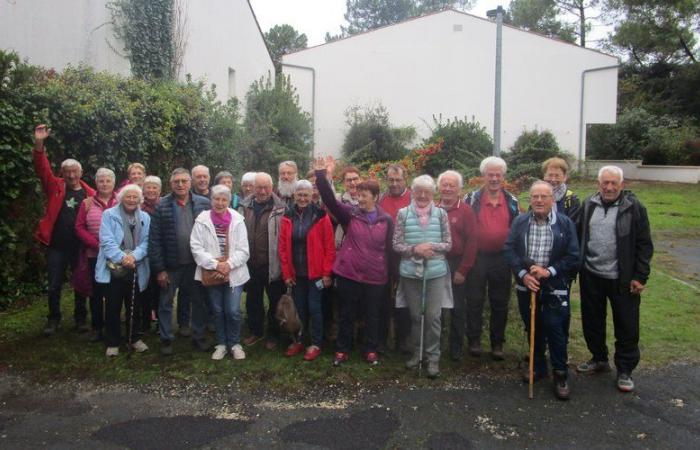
column 87, row 228
column 122, row 263
column 219, row 243
column 248, row 184
column 422, row 238
column 307, row 253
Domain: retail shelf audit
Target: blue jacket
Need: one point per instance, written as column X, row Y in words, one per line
column 111, row 236
column 473, row 199
column 564, row 259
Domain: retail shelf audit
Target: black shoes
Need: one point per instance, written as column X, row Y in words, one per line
column 561, row 385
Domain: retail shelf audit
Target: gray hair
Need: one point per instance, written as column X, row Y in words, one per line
column 221, row 189
column 452, row 173
column 223, row 174
column 180, row 171
column 248, row 177
column 541, row 183
column 612, row 169
column 129, row 188
column 70, row 162
column 493, row 161
column 264, row 175
column 288, row 163
column 105, row 172
column 303, row 184
column 423, row 181
column 396, row 168
column 153, row 179
column 202, row 168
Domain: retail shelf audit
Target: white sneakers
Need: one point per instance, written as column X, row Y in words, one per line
column 219, row 353
column 112, row 352
column 139, row 346
column 237, row 352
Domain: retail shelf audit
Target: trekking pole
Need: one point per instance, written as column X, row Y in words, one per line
column 531, row 373
column 131, row 317
column 422, row 317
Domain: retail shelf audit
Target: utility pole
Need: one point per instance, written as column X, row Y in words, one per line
column 498, row 15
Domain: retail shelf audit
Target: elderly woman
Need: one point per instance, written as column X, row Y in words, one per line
column 122, row 263
column 152, row 186
column 219, row 242
column 361, row 267
column 226, row 179
column 422, row 238
column 554, row 171
column 248, row 184
column 87, row 228
column 307, row 252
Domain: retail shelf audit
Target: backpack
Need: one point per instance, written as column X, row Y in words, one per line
column 287, row 316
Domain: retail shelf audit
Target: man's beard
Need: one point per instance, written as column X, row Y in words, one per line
column 286, row 188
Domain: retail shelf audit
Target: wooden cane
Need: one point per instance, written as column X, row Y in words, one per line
column 531, row 374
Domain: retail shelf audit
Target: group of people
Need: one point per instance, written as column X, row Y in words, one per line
column 372, row 264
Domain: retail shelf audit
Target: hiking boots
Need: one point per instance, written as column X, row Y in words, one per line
column 561, row 385
column 413, row 362
column 625, row 382
column 497, row 352
column 593, row 366
column 433, row 369
column 475, row 349
column 51, row 328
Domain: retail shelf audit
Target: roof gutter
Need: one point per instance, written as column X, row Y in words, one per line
column 313, row 101
column 581, row 124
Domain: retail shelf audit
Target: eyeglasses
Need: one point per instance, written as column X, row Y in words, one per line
column 180, row 181
column 350, row 180
column 539, row 197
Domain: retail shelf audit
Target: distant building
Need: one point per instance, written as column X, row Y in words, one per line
column 223, row 43
column 444, row 64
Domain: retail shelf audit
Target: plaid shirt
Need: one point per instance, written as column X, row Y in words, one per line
column 539, row 241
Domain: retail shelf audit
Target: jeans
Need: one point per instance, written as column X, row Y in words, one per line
column 97, row 310
column 458, row 318
column 307, row 299
column 57, row 261
column 413, row 290
column 552, row 318
column 119, row 292
column 225, row 303
column 595, row 292
column 490, row 271
column 190, row 291
column 352, row 294
column 255, row 306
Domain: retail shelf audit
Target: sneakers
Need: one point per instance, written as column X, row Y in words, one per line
column 237, row 352
column 625, row 382
column 433, row 369
column 372, row 358
column 312, row 352
column 51, row 328
column 340, row 358
column 475, row 349
column 251, row 340
column 139, row 346
column 219, row 353
column 112, row 352
column 593, row 367
column 561, row 385
column 497, row 352
column 166, row 348
column 185, row 331
column 294, row 349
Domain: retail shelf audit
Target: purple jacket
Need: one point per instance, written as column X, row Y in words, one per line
column 363, row 255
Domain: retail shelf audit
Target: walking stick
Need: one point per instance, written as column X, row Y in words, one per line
column 422, row 317
column 131, row 317
column 531, row 373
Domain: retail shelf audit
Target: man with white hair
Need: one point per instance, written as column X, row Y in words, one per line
column 200, row 180
column 495, row 208
column 56, row 229
column 288, row 175
column 617, row 249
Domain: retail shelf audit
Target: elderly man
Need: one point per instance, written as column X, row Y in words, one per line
column 173, row 264
column 462, row 255
column 495, row 208
column 542, row 251
column 617, row 249
column 288, row 175
column 263, row 213
column 56, row 229
column 200, row 181
column 247, row 184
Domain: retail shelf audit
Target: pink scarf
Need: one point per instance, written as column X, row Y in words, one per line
column 423, row 214
column 221, row 220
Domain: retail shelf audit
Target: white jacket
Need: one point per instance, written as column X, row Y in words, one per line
column 205, row 247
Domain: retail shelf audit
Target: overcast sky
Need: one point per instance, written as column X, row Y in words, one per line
column 316, row 17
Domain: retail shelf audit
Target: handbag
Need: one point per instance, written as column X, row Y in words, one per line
column 286, row 314
column 214, row 277
column 117, row 270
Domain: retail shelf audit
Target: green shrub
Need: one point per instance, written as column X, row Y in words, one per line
column 465, row 144
column 371, row 138
column 529, row 151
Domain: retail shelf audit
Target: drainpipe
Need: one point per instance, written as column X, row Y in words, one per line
column 581, row 124
column 313, row 102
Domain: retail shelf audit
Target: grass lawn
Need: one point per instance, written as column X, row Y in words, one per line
column 669, row 316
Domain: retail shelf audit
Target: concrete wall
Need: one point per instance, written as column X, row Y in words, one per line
column 634, row 170
column 224, row 45
column 443, row 64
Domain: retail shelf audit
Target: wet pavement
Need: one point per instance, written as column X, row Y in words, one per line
column 479, row 412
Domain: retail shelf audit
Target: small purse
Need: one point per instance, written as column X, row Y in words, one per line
column 117, row 270
column 214, row 277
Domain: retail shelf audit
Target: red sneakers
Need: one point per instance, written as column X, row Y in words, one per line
column 372, row 358
column 294, row 349
column 312, row 353
column 340, row 357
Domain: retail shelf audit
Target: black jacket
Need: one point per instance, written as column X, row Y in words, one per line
column 162, row 239
column 634, row 246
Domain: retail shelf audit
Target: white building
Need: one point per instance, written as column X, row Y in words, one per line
column 222, row 41
column 444, row 64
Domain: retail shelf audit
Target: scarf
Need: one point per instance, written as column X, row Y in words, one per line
column 423, row 214
column 132, row 229
column 221, row 220
column 559, row 192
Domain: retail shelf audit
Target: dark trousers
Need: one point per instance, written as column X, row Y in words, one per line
column 354, row 295
column 97, row 309
column 254, row 302
column 149, row 305
column 595, row 292
column 57, row 262
column 120, row 292
column 552, row 319
column 458, row 318
column 307, row 299
column 490, row 272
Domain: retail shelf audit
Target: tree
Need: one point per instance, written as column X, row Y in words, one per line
column 464, row 144
column 579, row 9
column 540, row 16
column 283, row 39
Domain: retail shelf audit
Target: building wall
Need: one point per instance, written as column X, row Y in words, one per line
column 224, row 45
column 444, row 64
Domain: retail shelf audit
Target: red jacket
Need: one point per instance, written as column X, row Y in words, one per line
column 55, row 190
column 463, row 228
column 320, row 247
